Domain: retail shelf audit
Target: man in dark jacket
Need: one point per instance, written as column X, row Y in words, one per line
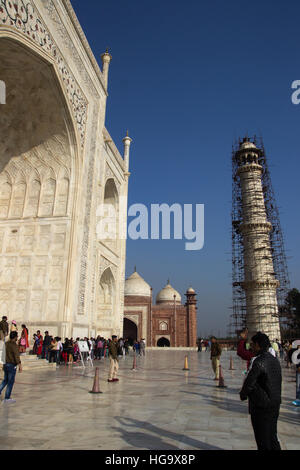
column 262, row 387
column 10, row 367
column 46, row 345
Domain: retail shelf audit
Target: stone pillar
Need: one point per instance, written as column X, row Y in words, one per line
column 259, row 283
column 150, row 320
column 191, row 312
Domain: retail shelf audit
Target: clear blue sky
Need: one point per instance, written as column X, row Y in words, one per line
column 187, row 79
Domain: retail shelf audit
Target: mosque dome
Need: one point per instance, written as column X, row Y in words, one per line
column 166, row 295
column 136, row 285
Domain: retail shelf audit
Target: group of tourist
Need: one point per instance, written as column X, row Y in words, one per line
column 54, row 350
column 203, row 344
column 6, row 329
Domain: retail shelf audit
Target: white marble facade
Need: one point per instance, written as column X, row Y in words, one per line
column 57, row 165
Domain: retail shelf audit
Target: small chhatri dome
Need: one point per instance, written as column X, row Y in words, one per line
column 136, row 285
column 166, row 295
column 191, row 290
column 246, row 144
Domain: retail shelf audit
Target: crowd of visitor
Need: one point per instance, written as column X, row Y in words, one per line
column 54, row 349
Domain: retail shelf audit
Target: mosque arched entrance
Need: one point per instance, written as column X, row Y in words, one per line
column 163, row 343
column 130, row 331
column 38, row 168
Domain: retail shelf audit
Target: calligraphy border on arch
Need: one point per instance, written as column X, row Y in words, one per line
column 23, row 15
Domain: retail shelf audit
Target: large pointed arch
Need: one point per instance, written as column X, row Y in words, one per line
column 31, row 152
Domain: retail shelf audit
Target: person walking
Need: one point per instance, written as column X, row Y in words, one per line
column 4, row 329
column 13, row 326
column 142, row 347
column 46, row 345
column 39, row 344
column 262, row 388
column 53, row 350
column 3, row 334
column 297, row 401
column 275, row 347
column 10, row 366
column 113, row 359
column 99, row 350
column 242, row 351
column 215, row 354
column 23, row 341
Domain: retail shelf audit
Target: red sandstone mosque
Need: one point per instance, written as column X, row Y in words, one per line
column 167, row 323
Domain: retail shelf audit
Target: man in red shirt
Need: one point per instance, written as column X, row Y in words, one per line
column 242, row 352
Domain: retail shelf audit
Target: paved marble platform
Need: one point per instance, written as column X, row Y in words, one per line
column 157, row 407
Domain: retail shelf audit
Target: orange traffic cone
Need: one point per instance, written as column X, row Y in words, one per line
column 96, row 387
column 134, row 367
column 186, row 364
column 221, row 378
column 231, row 364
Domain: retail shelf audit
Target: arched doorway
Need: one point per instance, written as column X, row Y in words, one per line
column 130, row 331
column 110, row 216
column 163, row 343
column 38, row 189
column 106, row 304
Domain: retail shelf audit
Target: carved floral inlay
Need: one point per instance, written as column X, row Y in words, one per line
column 22, row 15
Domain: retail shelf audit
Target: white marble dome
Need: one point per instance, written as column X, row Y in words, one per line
column 136, row 285
column 167, row 295
column 247, row 145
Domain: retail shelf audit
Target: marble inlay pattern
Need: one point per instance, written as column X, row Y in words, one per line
column 158, row 407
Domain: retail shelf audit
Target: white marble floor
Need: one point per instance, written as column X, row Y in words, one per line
column 159, row 407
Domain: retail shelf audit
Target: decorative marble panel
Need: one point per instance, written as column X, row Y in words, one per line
column 32, row 203
column 61, row 203
column 47, row 198
column 36, row 305
column 5, row 195
column 18, row 200
column 52, row 309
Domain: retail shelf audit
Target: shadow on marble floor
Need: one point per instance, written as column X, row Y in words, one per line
column 224, row 403
column 292, row 417
column 143, row 440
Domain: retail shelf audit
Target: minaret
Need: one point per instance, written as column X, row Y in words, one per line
column 259, row 282
column 106, row 59
column 191, row 309
column 127, row 142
